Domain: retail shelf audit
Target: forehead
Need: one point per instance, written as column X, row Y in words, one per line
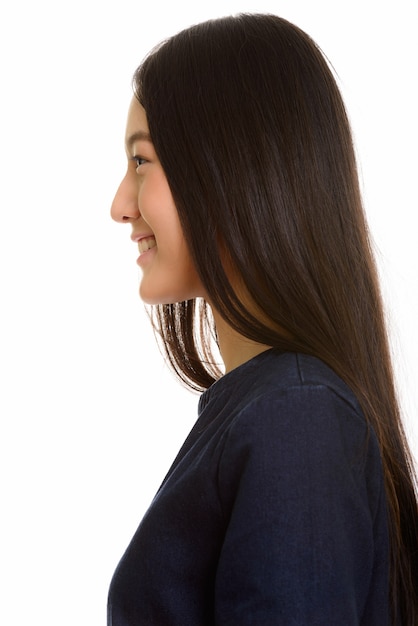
column 137, row 119
column 136, row 127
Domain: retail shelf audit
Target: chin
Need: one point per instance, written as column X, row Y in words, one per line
column 154, row 299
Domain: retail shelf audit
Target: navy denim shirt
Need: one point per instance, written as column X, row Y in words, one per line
column 273, row 512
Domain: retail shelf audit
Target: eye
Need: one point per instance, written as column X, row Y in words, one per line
column 138, row 160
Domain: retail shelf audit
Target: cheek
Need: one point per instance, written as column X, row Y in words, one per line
column 155, row 199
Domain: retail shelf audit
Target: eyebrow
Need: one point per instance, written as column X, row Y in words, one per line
column 140, row 135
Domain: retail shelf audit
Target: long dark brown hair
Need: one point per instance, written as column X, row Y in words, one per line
column 251, row 130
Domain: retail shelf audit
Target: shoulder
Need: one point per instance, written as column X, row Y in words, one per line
column 295, row 411
column 288, row 381
column 302, row 428
column 299, row 384
column 301, row 373
column 288, row 406
column 279, row 393
column 274, row 372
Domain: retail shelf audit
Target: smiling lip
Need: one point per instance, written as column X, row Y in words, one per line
column 145, row 241
column 146, row 245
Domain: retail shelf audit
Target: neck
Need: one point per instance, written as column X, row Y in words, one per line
column 235, row 349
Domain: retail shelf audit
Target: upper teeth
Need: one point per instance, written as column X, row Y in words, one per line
column 146, row 244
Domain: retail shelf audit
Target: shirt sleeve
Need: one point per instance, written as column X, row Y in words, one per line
column 300, row 484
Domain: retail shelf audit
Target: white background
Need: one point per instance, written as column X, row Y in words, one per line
column 90, row 418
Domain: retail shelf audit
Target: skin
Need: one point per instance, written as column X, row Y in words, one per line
column 144, row 201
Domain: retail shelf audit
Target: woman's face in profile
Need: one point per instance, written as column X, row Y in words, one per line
column 144, row 200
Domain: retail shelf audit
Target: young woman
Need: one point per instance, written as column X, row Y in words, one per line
column 292, row 501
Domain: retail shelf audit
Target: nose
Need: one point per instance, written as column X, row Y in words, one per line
column 125, row 203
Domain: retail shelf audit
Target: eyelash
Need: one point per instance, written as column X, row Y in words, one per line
column 138, row 160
